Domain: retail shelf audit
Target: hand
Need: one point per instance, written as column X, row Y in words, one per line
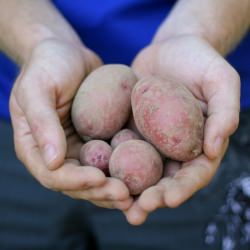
column 194, row 63
column 45, row 140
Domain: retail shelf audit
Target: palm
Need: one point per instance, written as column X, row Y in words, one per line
column 53, row 73
column 194, row 63
column 40, row 110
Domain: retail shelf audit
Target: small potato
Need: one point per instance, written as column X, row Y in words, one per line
column 96, row 153
column 122, row 136
column 137, row 164
column 103, row 102
column 168, row 116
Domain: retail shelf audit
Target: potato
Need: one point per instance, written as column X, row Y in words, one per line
column 96, row 153
column 168, row 116
column 137, row 164
column 122, row 136
column 103, row 102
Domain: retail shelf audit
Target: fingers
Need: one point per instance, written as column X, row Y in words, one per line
column 113, row 189
column 121, row 205
column 68, row 177
column 73, row 161
column 39, row 108
column 221, row 87
column 142, row 64
column 71, row 177
column 193, row 176
column 94, row 61
column 135, row 215
column 112, row 194
column 150, row 199
column 173, row 190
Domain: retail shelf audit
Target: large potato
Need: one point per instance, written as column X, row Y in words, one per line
column 103, row 102
column 137, row 164
column 169, row 116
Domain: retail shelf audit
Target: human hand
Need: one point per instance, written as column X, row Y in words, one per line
column 194, row 63
column 45, row 140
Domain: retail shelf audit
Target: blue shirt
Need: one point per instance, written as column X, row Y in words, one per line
column 116, row 31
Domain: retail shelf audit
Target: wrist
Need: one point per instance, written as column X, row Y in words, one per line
column 34, row 23
column 221, row 46
column 208, row 20
column 188, row 37
column 25, row 44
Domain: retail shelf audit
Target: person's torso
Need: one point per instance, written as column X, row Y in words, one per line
column 116, row 31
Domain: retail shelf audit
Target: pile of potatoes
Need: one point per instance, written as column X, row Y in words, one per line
column 130, row 126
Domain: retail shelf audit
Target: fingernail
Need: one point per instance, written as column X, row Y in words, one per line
column 218, row 145
column 49, row 153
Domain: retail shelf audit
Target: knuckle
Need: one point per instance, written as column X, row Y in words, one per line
column 85, row 183
column 117, row 194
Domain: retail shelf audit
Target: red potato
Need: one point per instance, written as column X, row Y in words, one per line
column 168, row 116
column 122, row 136
column 96, row 153
column 103, row 102
column 137, row 164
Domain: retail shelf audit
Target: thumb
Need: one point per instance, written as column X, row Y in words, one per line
column 222, row 91
column 39, row 107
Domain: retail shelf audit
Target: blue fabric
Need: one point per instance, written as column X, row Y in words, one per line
column 8, row 72
column 116, row 31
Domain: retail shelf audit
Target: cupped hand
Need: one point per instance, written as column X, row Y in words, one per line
column 193, row 62
column 45, row 140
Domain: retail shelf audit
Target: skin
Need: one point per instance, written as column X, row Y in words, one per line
column 189, row 48
column 45, row 140
column 122, row 136
column 38, row 34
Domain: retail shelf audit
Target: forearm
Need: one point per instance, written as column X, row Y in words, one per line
column 222, row 23
column 26, row 23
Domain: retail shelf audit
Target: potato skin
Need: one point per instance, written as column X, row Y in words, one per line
column 122, row 136
column 96, row 153
column 103, row 102
column 168, row 116
column 137, row 164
